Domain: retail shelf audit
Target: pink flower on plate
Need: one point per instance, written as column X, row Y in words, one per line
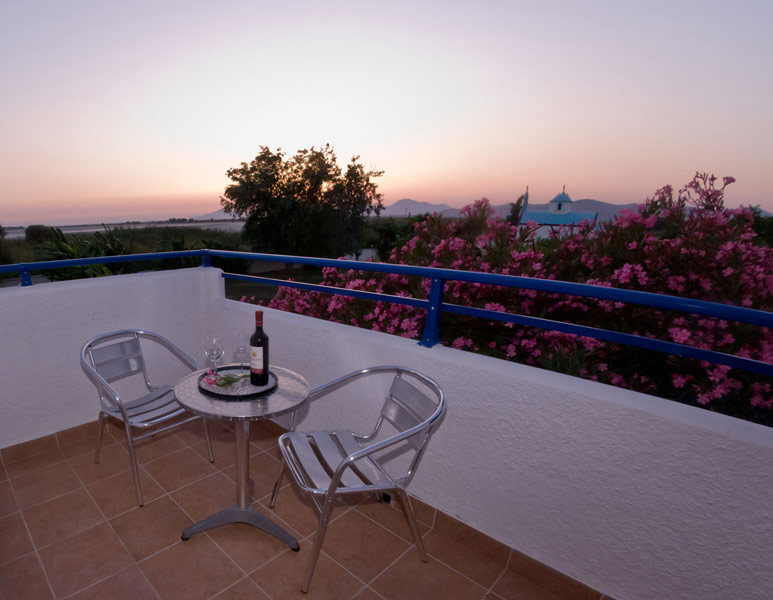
column 210, row 378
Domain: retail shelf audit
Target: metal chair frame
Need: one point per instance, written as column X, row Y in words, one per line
column 109, row 357
column 312, row 457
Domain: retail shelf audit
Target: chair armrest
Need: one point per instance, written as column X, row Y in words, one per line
column 331, row 386
column 325, row 389
column 178, row 352
column 377, row 447
column 99, row 381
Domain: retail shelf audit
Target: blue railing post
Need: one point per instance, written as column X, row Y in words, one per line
column 26, row 278
column 206, row 259
column 431, row 335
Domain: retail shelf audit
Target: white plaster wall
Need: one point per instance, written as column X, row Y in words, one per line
column 42, row 329
column 635, row 496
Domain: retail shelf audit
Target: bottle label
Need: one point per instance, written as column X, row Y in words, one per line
column 256, row 360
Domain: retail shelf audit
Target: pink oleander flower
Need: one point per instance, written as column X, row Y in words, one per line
column 678, row 380
column 679, row 335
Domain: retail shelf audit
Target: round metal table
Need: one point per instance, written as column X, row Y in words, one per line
column 291, row 392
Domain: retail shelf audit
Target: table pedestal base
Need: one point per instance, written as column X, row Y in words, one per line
column 237, row 514
column 242, row 511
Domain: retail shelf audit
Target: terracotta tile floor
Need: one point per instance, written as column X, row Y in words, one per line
column 72, row 529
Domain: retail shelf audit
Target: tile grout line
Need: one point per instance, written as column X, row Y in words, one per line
column 25, row 472
column 8, row 562
column 502, row 574
column 257, row 501
column 458, row 573
column 57, row 497
column 246, row 575
column 374, row 592
column 181, row 541
column 358, row 592
column 429, row 554
column 405, row 539
column 390, row 565
column 305, row 539
column 238, row 581
column 123, row 545
column 211, row 539
column 367, row 584
column 32, row 541
column 267, row 451
column 107, row 521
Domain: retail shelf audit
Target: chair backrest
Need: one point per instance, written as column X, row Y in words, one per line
column 406, row 407
column 410, row 407
column 113, row 356
column 118, row 360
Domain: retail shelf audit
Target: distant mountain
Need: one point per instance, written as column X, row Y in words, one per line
column 407, row 207
column 606, row 211
column 217, row 215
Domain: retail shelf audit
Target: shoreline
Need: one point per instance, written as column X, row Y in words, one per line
column 222, row 224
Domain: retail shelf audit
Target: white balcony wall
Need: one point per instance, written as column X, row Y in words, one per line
column 42, row 328
column 635, row 496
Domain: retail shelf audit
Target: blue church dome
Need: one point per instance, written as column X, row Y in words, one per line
column 562, row 197
column 561, row 203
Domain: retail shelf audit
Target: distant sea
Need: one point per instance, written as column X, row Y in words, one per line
column 230, row 225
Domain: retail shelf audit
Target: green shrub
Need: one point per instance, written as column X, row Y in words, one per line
column 38, row 234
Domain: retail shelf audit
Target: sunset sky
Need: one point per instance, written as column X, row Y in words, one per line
column 134, row 110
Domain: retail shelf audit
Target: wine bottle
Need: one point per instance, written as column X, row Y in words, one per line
column 259, row 353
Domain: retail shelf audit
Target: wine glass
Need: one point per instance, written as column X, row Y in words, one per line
column 240, row 349
column 213, row 349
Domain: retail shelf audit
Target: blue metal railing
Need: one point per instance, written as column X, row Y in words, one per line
column 435, row 306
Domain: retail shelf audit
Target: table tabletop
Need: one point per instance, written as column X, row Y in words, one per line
column 291, row 392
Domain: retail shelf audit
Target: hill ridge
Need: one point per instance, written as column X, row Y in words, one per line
column 407, row 207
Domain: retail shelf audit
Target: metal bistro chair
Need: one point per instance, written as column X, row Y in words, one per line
column 327, row 464
column 117, row 355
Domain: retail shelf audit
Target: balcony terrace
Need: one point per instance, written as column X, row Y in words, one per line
column 536, row 485
column 76, row 532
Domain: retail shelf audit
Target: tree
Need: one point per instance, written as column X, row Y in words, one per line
column 3, row 258
column 391, row 233
column 37, row 234
column 303, row 205
column 516, row 211
column 763, row 226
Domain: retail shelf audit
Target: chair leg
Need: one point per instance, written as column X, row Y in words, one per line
column 411, row 518
column 205, row 424
column 100, row 430
column 277, row 483
column 324, row 518
column 133, row 459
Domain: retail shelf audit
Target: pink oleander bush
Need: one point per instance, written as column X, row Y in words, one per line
column 686, row 245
